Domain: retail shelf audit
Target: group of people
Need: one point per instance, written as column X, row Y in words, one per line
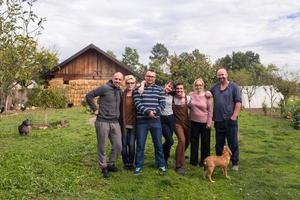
column 126, row 117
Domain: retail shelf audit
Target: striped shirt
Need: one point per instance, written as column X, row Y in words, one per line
column 152, row 99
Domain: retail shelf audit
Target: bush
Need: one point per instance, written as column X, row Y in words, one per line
column 48, row 98
column 289, row 108
column 264, row 108
column 296, row 118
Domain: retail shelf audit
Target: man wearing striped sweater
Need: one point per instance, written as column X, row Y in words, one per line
column 148, row 107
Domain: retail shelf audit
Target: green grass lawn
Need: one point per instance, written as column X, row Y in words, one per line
column 62, row 164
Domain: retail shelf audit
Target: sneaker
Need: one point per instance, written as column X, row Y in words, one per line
column 112, row 168
column 137, row 171
column 235, row 168
column 162, row 170
column 105, row 172
column 180, row 170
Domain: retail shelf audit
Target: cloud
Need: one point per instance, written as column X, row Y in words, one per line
column 216, row 28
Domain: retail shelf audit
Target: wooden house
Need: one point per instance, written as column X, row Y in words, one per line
column 87, row 69
column 90, row 63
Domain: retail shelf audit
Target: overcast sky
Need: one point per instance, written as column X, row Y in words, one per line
column 270, row 28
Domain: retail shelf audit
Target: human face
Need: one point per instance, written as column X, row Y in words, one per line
column 150, row 78
column 117, row 79
column 168, row 88
column 222, row 75
column 130, row 85
column 199, row 86
column 179, row 90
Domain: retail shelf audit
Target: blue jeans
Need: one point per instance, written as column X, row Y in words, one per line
column 168, row 127
column 128, row 147
column 142, row 128
column 227, row 129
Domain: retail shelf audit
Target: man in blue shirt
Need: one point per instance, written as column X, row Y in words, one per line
column 149, row 105
column 227, row 105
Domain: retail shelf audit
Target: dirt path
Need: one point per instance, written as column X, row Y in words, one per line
column 92, row 120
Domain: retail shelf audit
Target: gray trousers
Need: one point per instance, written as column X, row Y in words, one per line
column 112, row 131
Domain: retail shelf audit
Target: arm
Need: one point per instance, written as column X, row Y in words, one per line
column 209, row 113
column 161, row 101
column 137, row 98
column 237, row 109
column 238, row 103
column 91, row 95
column 142, row 87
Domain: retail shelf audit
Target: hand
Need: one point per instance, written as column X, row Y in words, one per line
column 152, row 114
column 141, row 88
column 208, row 125
column 233, row 117
column 208, row 94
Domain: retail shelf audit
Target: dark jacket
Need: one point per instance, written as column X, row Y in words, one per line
column 109, row 102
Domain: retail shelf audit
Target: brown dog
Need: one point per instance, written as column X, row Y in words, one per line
column 217, row 161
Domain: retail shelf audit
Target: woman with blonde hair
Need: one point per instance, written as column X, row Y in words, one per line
column 201, row 119
column 128, row 123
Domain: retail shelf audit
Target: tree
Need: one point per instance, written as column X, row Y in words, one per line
column 111, row 53
column 187, row 67
column 247, row 83
column 19, row 52
column 158, row 63
column 47, row 61
column 131, row 58
column 239, row 60
column 159, row 54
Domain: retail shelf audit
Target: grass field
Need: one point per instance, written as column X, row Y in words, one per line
column 62, row 164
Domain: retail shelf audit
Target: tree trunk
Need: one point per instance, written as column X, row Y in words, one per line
column 46, row 117
column 6, row 103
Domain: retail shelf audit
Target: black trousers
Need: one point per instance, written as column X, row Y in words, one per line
column 227, row 129
column 199, row 131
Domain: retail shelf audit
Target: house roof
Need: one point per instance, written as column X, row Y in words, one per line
column 94, row 47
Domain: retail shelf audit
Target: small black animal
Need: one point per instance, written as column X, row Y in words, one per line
column 24, row 127
column 2, row 108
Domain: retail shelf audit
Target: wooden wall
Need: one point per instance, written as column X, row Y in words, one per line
column 90, row 66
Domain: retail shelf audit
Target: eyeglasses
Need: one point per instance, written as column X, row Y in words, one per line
column 130, row 83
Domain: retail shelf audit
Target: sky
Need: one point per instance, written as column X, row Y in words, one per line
column 270, row 28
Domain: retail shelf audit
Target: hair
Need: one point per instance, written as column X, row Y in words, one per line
column 171, row 83
column 198, row 79
column 118, row 73
column 178, row 84
column 129, row 77
column 222, row 68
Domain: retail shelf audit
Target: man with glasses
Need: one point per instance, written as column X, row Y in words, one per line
column 107, row 122
column 149, row 105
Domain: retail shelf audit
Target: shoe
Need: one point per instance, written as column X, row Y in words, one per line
column 129, row 167
column 235, row 168
column 112, row 168
column 137, row 171
column 180, row 170
column 162, row 170
column 105, row 172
